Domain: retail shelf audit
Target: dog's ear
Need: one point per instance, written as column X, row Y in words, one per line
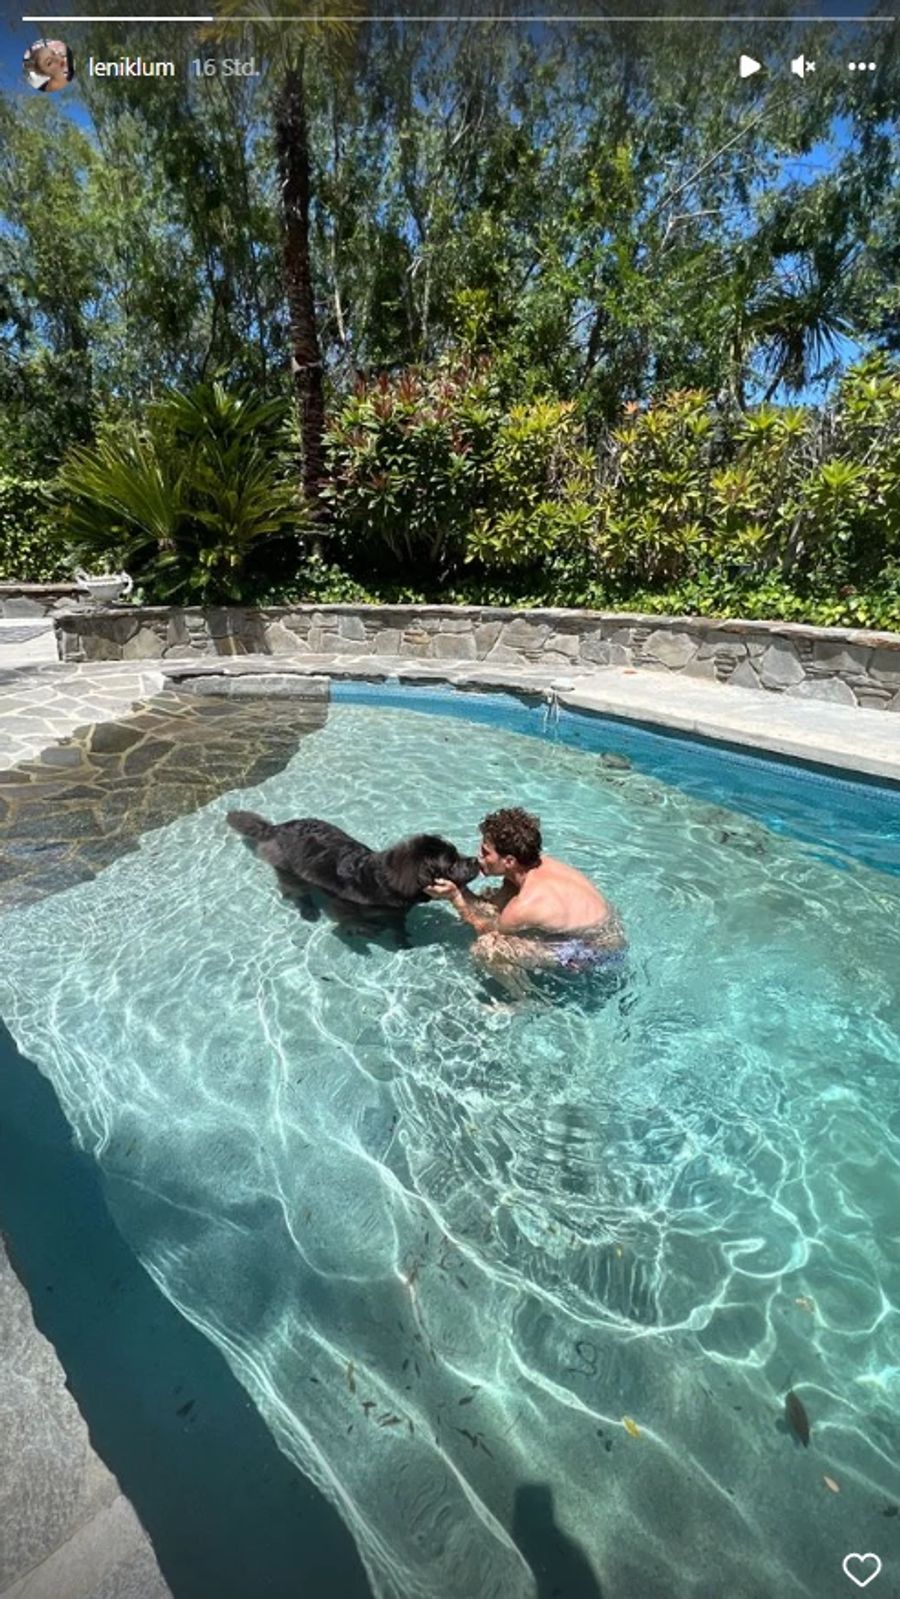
column 444, row 864
column 437, row 860
column 417, row 862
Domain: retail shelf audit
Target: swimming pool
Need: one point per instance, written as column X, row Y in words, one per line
column 447, row 1248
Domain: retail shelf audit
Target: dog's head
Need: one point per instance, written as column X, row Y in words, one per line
column 418, row 862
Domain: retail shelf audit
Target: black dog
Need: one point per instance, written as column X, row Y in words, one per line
column 357, row 883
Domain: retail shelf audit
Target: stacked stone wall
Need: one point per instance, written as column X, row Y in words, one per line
column 843, row 666
column 32, row 600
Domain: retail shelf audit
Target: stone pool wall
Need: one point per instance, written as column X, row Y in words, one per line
column 33, row 600
column 845, row 666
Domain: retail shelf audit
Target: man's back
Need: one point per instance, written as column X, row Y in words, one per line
column 556, row 898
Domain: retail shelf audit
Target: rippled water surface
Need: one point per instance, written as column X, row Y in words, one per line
column 447, row 1245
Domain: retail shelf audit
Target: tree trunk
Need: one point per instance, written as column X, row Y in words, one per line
column 292, row 153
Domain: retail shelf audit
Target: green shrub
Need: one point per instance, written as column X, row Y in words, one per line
column 438, row 476
column 432, row 471
column 654, row 496
column 443, row 487
column 29, row 550
column 199, row 503
column 771, row 599
column 320, row 582
column 689, row 493
column 850, row 506
column 538, row 499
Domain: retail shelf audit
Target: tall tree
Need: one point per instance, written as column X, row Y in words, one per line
column 294, row 181
column 602, row 216
column 286, row 47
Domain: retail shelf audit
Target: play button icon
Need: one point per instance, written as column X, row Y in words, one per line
column 747, row 66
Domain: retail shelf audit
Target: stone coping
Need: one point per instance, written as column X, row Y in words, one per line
column 853, row 743
column 14, row 586
column 46, row 702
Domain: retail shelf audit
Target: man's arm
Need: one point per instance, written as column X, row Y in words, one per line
column 493, row 896
column 481, row 911
column 471, row 908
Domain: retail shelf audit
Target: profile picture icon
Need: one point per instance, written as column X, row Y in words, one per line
column 48, row 64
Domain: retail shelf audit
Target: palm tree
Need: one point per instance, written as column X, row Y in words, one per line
column 288, row 47
column 800, row 322
column 295, row 185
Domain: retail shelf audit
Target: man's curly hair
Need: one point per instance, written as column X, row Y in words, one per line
column 514, row 832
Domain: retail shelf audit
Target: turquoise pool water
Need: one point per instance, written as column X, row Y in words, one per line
column 446, row 1247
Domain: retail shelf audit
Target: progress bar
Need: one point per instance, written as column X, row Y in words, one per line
column 68, row 18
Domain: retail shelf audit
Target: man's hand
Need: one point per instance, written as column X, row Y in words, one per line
column 474, row 910
column 442, row 888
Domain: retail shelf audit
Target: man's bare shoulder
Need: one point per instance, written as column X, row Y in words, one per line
column 552, row 872
column 559, row 866
column 543, row 891
column 566, row 886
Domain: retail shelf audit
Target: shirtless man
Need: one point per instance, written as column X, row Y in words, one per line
column 546, row 914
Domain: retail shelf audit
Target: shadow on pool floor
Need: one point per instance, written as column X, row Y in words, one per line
column 229, row 1517
column 560, row 1566
column 90, row 797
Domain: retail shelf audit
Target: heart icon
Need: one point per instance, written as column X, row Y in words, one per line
column 861, row 1561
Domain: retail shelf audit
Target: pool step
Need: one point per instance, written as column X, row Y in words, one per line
column 235, row 682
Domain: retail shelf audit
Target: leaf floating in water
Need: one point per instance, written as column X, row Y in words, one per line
column 830, row 1483
column 631, row 1427
column 796, row 1417
column 351, row 1380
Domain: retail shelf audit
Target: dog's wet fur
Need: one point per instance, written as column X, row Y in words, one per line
column 316, row 862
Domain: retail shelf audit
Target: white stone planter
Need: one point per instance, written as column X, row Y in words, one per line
column 107, row 586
